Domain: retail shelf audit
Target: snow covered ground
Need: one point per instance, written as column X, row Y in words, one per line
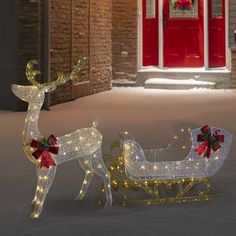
column 151, row 116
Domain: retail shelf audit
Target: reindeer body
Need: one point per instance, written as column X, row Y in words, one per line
column 83, row 144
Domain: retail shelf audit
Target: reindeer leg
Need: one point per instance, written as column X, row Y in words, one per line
column 39, row 182
column 100, row 169
column 87, row 179
column 45, row 179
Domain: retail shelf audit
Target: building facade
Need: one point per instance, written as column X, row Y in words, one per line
column 173, row 42
column 56, row 33
column 121, row 39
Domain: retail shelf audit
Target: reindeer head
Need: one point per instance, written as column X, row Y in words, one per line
column 35, row 93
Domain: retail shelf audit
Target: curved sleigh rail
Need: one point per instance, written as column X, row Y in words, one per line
column 195, row 165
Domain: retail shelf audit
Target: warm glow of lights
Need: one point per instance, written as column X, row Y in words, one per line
column 192, row 166
column 87, row 140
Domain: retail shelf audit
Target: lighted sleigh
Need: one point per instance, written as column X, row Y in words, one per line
column 169, row 181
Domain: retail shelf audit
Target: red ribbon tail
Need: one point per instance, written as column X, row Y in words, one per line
column 46, row 160
column 216, row 147
column 200, row 150
column 208, row 152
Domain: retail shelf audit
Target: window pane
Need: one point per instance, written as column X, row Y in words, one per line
column 184, row 10
column 216, row 8
column 150, row 8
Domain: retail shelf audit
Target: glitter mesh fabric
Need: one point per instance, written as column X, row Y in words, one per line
column 138, row 167
column 83, row 144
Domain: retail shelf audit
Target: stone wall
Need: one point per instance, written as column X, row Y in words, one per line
column 124, row 39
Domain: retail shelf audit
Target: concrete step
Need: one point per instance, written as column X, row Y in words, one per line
column 221, row 77
column 163, row 83
column 124, row 83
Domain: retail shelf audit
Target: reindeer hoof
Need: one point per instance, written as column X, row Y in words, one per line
column 78, row 198
column 108, row 204
column 34, row 216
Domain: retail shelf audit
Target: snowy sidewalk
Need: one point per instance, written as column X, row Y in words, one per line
column 151, row 116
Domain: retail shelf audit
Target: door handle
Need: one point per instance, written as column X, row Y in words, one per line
column 165, row 22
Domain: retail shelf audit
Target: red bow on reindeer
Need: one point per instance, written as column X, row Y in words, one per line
column 209, row 141
column 44, row 148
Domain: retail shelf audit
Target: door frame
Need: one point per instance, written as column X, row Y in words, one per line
column 161, row 36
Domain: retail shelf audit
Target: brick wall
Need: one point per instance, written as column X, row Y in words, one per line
column 30, row 38
column 100, row 45
column 232, row 27
column 80, row 34
column 60, row 46
column 233, row 67
column 77, row 27
column 124, row 39
column 81, row 27
column 232, row 22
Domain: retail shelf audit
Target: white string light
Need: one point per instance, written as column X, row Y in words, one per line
column 138, row 166
column 83, row 144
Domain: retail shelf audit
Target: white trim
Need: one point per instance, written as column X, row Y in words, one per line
column 217, row 70
column 227, row 53
column 206, row 35
column 140, row 34
column 161, row 36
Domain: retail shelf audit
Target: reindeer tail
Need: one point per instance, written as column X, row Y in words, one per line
column 95, row 123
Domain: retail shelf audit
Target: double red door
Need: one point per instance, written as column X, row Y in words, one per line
column 184, row 34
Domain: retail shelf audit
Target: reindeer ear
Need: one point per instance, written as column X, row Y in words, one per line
column 20, row 91
column 14, row 87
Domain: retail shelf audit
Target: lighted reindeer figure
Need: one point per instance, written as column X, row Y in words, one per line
column 83, row 144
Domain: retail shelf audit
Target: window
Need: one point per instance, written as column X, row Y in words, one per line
column 150, row 9
column 216, row 9
column 175, row 12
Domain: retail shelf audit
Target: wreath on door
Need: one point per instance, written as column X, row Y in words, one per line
column 182, row 4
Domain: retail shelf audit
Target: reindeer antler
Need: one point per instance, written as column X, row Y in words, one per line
column 61, row 77
column 31, row 73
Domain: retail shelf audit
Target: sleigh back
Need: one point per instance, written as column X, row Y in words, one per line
column 216, row 159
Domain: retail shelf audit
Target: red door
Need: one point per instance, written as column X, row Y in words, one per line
column 216, row 13
column 183, row 35
column 150, row 32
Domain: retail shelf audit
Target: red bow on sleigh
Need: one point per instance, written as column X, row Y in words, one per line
column 44, row 148
column 209, row 141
